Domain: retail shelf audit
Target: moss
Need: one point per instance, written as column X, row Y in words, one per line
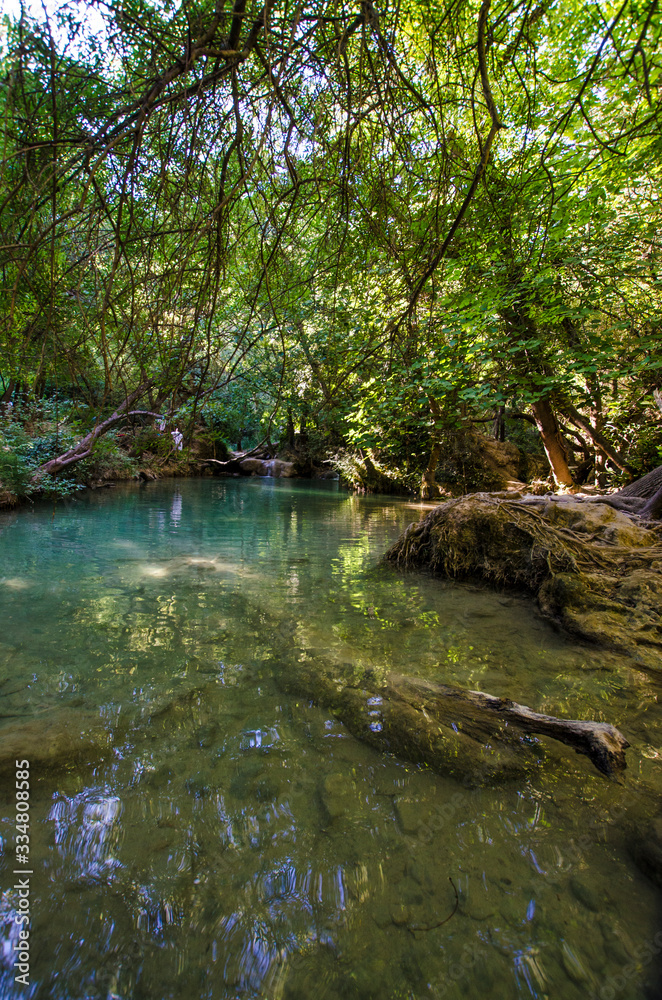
column 595, row 570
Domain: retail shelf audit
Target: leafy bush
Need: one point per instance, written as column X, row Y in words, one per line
column 58, row 487
column 107, row 461
column 15, row 472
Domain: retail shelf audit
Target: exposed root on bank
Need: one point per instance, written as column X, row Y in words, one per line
column 596, row 570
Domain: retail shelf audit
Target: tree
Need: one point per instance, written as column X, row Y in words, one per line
column 407, row 211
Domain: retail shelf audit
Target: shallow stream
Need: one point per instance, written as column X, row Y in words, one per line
column 238, row 842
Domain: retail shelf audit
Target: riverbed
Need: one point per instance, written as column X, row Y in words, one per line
column 235, row 841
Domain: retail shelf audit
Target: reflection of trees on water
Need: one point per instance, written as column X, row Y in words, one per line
column 240, row 841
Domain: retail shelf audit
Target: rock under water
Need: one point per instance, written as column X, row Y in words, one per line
column 55, row 741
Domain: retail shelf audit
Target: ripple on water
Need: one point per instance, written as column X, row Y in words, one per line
column 240, row 843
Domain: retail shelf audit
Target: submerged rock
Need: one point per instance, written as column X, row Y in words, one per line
column 54, row 742
column 646, row 849
column 586, row 894
column 338, row 795
column 595, row 570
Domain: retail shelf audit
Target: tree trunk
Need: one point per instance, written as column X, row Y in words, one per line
column 645, row 487
column 83, row 449
column 499, row 425
column 429, row 487
column 552, row 442
column 290, row 428
column 597, row 438
column 8, row 391
column 653, row 508
column 520, row 325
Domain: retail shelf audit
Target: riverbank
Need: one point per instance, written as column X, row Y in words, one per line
column 594, row 570
column 52, row 454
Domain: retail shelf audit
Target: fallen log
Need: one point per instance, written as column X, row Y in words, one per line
column 477, row 714
column 475, row 737
column 83, row 448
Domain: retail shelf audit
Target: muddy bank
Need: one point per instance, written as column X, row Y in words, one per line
column 595, row 570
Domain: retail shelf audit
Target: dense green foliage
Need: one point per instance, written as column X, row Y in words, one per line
column 356, row 229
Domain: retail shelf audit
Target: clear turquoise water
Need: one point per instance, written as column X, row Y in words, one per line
column 239, row 842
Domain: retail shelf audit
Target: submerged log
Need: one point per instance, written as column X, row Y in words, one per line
column 475, row 737
column 479, row 715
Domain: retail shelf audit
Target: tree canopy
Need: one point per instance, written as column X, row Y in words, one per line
column 382, row 221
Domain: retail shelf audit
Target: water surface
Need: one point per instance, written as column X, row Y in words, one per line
column 239, row 842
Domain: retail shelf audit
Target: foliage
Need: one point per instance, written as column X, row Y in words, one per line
column 20, row 458
column 354, row 229
column 109, row 461
column 15, row 472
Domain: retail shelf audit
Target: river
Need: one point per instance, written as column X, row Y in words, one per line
column 238, row 842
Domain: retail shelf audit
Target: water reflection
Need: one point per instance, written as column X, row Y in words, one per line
column 239, row 843
column 176, row 509
column 88, row 833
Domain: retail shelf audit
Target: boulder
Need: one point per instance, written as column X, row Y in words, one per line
column 274, row 467
column 253, row 467
column 53, row 742
column 279, row 469
column 595, row 570
column 502, row 458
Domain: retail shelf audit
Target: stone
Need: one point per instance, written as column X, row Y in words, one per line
column 266, row 790
column 410, row 892
column 586, row 894
column 573, row 966
column 646, row 850
column 409, row 816
column 274, row 467
column 199, row 785
column 253, row 467
column 279, row 469
column 479, row 909
column 401, row 914
column 613, row 943
column 337, row 795
column 54, row 741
